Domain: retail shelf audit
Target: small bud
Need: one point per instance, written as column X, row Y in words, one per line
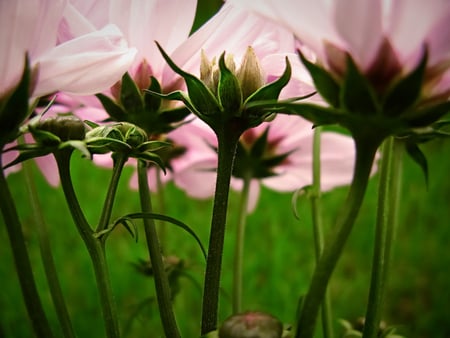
column 66, row 127
column 250, row 74
column 251, row 325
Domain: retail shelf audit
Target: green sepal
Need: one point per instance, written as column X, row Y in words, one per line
column 130, row 96
column 272, row 90
column 14, row 109
column 357, row 94
column 200, row 95
column 151, row 157
column 228, row 89
column 112, row 108
column 259, row 146
column 427, row 115
column 152, row 103
column 406, row 91
column 325, row 84
column 418, row 156
column 27, row 155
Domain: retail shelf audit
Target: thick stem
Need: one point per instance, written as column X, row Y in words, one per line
column 365, row 153
column 119, row 162
column 388, row 193
column 239, row 245
column 316, row 209
column 22, row 261
column 227, row 143
column 47, row 256
column 94, row 246
column 163, row 292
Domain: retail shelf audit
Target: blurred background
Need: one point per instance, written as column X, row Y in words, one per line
column 279, row 253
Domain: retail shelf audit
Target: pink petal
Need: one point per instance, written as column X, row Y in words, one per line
column 47, row 166
column 198, row 181
column 359, row 23
column 86, row 65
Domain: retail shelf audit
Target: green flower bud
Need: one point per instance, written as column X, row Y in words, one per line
column 66, row 127
column 251, row 325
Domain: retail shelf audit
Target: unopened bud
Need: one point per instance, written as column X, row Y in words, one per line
column 66, row 127
column 251, row 325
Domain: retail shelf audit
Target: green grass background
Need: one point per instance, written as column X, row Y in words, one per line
column 279, row 254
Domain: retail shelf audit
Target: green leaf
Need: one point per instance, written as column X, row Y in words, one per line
column 152, row 157
column 200, row 96
column 152, row 103
column 418, row 156
column 142, row 215
column 325, row 84
column 406, row 91
column 357, row 95
column 426, row 116
column 112, row 108
column 228, row 90
column 29, row 154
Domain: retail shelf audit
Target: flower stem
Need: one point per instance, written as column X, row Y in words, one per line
column 47, row 256
column 163, row 292
column 95, row 246
column 388, row 194
column 239, row 244
column 365, row 153
column 227, row 143
column 316, row 209
column 119, row 162
column 22, row 261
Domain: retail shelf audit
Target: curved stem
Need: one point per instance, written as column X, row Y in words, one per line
column 94, row 246
column 22, row 261
column 239, row 245
column 227, row 143
column 163, row 292
column 365, row 153
column 388, row 193
column 119, row 162
column 316, row 209
column 47, row 256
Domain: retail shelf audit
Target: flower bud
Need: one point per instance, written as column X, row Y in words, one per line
column 251, row 325
column 66, row 127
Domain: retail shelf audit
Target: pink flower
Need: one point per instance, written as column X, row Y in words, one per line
column 84, row 65
column 385, row 38
column 195, row 170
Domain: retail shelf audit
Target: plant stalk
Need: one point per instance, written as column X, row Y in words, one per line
column 95, row 246
column 386, row 224
column 163, row 292
column 239, row 245
column 227, row 144
column 47, row 256
column 365, row 154
column 22, row 261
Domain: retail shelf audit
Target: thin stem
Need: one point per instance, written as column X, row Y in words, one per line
column 316, row 209
column 388, row 193
column 239, row 244
column 161, row 203
column 47, row 256
column 119, row 162
column 22, row 261
column 163, row 292
column 227, row 143
column 365, row 153
column 94, row 246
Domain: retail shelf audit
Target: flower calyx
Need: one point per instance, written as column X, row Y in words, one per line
column 222, row 94
column 251, row 324
column 133, row 103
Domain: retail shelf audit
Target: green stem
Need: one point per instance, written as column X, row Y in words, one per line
column 365, row 153
column 94, row 246
column 119, row 162
column 47, row 256
column 388, row 193
column 163, row 292
column 22, row 261
column 161, row 203
column 316, row 209
column 239, row 244
column 227, row 143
